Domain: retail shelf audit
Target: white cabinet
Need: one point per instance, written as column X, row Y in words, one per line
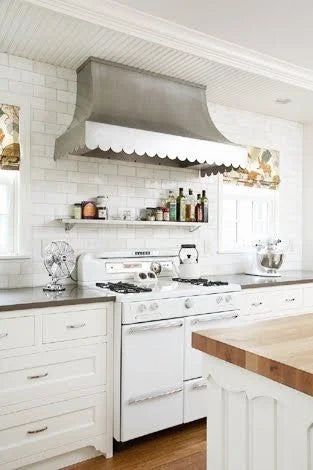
column 56, row 387
column 35, row 430
column 17, row 332
column 74, row 325
column 270, row 302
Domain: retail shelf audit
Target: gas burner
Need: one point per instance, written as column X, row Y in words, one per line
column 201, row 282
column 123, row 287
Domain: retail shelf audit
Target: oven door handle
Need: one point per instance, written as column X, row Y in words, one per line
column 199, row 385
column 220, row 316
column 140, row 329
column 154, row 396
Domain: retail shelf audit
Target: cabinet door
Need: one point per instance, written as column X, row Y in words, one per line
column 193, row 358
column 152, row 377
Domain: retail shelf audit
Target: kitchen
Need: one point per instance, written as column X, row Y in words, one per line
column 44, row 50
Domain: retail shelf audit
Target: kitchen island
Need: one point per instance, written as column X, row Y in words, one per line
column 260, row 394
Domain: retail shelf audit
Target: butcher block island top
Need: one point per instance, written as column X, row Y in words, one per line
column 279, row 349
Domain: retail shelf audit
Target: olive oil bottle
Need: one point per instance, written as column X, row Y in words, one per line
column 181, row 206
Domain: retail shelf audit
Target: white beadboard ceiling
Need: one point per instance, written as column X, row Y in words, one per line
column 40, row 34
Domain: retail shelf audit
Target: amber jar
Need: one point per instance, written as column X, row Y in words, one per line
column 89, row 210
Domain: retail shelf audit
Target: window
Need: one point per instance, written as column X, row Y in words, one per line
column 8, row 193
column 15, row 229
column 246, row 214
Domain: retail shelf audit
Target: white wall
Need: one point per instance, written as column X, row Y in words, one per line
column 308, row 196
column 56, row 185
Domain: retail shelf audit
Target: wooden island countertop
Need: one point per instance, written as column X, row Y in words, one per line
column 279, row 349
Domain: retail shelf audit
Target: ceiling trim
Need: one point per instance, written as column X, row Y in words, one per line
column 117, row 17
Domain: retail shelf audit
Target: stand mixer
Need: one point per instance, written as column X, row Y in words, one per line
column 267, row 259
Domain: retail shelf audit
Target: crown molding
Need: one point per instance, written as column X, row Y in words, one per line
column 117, row 17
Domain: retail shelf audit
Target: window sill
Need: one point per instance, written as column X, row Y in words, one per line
column 15, row 257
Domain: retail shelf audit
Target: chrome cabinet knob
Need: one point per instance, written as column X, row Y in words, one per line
column 188, row 303
column 228, row 298
column 142, row 308
column 219, row 299
column 154, row 306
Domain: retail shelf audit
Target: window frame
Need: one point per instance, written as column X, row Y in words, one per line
column 260, row 194
column 22, row 200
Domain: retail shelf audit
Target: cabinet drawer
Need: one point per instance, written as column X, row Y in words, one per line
column 17, row 332
column 257, row 302
column 289, row 299
column 35, row 430
column 195, row 400
column 74, row 325
column 52, row 372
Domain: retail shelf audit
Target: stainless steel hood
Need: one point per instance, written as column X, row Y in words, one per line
column 128, row 114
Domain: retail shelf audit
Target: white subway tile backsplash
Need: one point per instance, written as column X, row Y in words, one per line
column 20, row 63
column 44, row 92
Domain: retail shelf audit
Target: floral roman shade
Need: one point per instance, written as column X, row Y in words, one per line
column 261, row 171
column 9, row 137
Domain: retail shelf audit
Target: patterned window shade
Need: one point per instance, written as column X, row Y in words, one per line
column 262, row 170
column 9, row 137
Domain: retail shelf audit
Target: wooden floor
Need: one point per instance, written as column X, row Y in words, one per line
column 182, row 448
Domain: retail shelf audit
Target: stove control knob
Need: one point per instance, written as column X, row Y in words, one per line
column 188, row 303
column 154, row 306
column 219, row 299
column 228, row 298
column 142, row 308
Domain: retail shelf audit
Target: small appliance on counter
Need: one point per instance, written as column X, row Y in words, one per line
column 189, row 262
column 59, row 260
column 267, row 259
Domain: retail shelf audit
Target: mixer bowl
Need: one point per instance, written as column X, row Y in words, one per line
column 271, row 262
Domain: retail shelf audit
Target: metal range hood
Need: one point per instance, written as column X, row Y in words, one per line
column 128, row 114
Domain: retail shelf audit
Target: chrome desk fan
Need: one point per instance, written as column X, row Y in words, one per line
column 59, row 261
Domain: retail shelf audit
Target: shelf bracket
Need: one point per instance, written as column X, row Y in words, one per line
column 68, row 226
column 193, row 229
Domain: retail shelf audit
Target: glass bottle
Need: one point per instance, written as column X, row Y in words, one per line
column 171, row 204
column 199, row 215
column 181, row 206
column 190, row 207
column 205, row 207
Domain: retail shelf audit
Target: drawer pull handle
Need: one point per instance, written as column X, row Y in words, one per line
column 292, row 299
column 39, row 376
column 257, row 304
column 136, row 401
column 139, row 329
column 3, row 335
column 199, row 386
column 36, row 431
column 77, row 325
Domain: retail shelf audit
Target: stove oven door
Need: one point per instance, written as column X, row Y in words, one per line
column 193, row 358
column 151, row 377
column 194, row 384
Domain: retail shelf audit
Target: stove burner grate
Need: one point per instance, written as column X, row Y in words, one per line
column 201, row 282
column 123, row 287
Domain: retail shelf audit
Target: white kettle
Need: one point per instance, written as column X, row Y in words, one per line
column 188, row 262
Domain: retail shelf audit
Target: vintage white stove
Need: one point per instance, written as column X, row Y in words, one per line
column 158, row 381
